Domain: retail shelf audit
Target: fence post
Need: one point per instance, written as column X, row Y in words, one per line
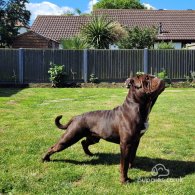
column 85, row 65
column 146, row 60
column 21, row 65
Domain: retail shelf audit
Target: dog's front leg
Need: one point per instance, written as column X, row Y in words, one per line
column 124, row 161
column 133, row 153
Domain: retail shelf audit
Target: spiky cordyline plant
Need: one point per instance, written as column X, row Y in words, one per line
column 99, row 32
column 74, row 43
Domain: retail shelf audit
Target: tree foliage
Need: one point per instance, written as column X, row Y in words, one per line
column 139, row 38
column 118, row 4
column 101, row 32
column 12, row 12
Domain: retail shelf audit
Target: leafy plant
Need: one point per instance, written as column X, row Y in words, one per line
column 162, row 75
column 192, row 73
column 138, row 38
column 139, row 73
column 192, row 84
column 57, row 74
column 74, row 43
column 165, row 45
column 187, row 78
column 101, row 32
column 14, row 77
column 190, row 79
column 93, row 78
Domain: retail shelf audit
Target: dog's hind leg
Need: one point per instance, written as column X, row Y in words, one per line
column 90, row 140
column 67, row 139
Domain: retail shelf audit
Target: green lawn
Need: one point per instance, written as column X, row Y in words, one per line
column 27, row 130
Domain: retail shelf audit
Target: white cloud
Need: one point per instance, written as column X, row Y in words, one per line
column 148, row 6
column 46, row 8
column 90, row 5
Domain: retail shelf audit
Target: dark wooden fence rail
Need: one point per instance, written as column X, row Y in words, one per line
column 31, row 65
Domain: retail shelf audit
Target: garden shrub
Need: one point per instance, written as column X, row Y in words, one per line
column 57, row 74
column 93, row 78
column 163, row 75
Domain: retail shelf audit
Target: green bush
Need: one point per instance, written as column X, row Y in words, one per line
column 162, row 75
column 190, row 78
column 165, row 45
column 57, row 75
column 139, row 73
column 93, row 78
column 193, row 76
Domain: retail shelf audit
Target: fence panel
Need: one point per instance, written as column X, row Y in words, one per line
column 114, row 65
column 177, row 63
column 37, row 63
column 9, row 66
column 107, row 65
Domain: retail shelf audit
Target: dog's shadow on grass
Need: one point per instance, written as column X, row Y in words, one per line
column 9, row 90
column 176, row 168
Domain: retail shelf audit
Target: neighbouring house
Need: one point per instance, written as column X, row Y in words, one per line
column 177, row 26
column 51, row 29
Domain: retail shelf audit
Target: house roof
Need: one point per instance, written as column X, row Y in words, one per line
column 36, row 34
column 176, row 24
column 58, row 27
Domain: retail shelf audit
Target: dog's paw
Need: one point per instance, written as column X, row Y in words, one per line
column 126, row 180
column 46, row 159
column 85, row 148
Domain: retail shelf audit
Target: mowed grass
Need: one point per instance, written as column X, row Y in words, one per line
column 27, row 130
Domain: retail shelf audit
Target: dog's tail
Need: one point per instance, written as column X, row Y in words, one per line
column 59, row 125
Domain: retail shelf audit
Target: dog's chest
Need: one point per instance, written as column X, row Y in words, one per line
column 146, row 125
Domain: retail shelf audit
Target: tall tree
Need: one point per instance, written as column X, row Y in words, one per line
column 118, row 4
column 12, row 12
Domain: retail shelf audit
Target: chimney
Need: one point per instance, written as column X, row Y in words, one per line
column 160, row 31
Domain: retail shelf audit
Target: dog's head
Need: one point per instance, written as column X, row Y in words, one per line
column 145, row 86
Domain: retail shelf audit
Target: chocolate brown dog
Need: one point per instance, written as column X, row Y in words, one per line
column 123, row 125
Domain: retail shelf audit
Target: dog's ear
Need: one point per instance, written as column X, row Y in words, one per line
column 129, row 82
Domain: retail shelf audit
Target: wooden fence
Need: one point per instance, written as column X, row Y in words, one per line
column 31, row 65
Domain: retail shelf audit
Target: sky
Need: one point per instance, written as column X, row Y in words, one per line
column 58, row 7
